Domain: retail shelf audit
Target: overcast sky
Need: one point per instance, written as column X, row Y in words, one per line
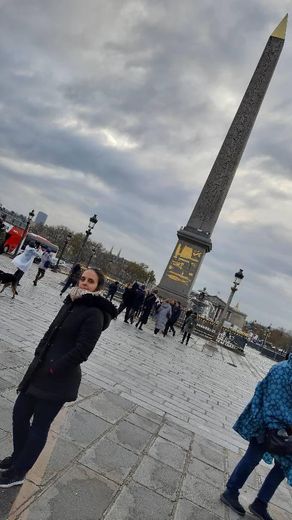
column 120, row 107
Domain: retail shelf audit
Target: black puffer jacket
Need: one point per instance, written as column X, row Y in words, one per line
column 55, row 373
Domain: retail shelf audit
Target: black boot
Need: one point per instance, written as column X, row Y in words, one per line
column 5, row 463
column 11, row 478
column 259, row 509
column 232, row 501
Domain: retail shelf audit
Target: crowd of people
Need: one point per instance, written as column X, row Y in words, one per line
column 136, row 301
column 139, row 304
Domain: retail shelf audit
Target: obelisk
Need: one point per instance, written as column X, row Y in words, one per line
column 194, row 240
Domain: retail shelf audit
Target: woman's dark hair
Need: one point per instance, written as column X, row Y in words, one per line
column 100, row 275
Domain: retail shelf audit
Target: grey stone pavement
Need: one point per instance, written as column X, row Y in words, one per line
column 150, row 437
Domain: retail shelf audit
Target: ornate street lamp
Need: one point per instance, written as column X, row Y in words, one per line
column 92, row 221
column 67, row 239
column 237, row 279
column 29, row 219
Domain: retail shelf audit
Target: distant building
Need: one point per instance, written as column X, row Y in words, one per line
column 41, row 218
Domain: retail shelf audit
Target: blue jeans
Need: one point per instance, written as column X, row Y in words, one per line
column 30, row 439
column 245, row 467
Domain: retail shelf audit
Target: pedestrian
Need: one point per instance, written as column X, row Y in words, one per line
column 54, row 375
column 162, row 315
column 73, row 278
column 155, row 307
column 24, row 260
column 267, row 417
column 189, row 326
column 175, row 314
column 45, row 263
column 130, row 299
column 2, row 235
column 187, row 314
column 125, row 298
column 146, row 309
column 112, row 289
column 137, row 302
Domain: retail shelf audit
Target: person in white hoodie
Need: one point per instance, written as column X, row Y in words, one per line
column 24, row 261
column 45, row 263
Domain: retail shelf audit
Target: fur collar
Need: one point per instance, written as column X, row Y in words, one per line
column 90, row 300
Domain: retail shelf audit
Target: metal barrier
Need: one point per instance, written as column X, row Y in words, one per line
column 232, row 340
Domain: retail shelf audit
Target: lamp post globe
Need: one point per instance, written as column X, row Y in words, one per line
column 238, row 277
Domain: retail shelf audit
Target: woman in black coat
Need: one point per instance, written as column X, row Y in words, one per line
column 54, row 375
column 146, row 309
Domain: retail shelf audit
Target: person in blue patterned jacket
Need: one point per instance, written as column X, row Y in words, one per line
column 269, row 409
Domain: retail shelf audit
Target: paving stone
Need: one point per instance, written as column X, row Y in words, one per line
column 79, row 493
column 168, row 453
column 279, row 513
column 139, row 503
column 6, row 446
column 203, row 494
column 148, row 414
column 143, row 422
column 175, row 435
column 82, row 427
column 108, row 406
column 158, row 476
column 130, row 436
column 6, row 415
column 12, row 360
column 85, row 389
column 61, row 456
column 10, row 395
column 4, row 384
column 206, row 472
column 188, row 511
column 214, row 457
column 3, row 435
column 109, row 459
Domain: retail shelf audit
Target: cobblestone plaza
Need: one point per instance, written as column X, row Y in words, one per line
column 150, row 437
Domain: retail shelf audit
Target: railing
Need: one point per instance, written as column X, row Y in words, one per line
column 231, row 339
